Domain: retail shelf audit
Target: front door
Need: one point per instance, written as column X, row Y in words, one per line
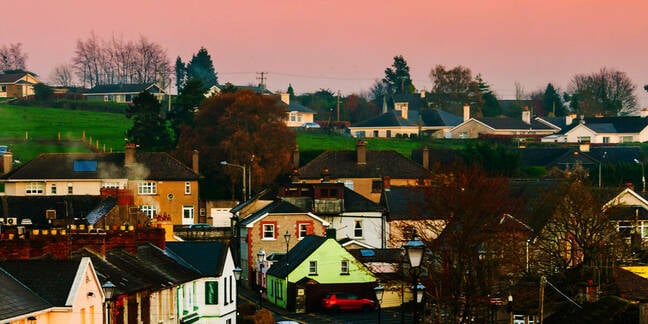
column 187, row 215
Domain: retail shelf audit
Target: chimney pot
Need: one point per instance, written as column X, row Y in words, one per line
column 361, row 151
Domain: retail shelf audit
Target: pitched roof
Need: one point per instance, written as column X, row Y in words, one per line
column 623, row 125
column 276, row 207
column 12, row 77
column 343, row 164
column 149, row 165
column 392, row 255
column 295, row 106
column 102, row 209
column 512, row 123
column 406, row 203
column 207, row 257
column 300, row 252
column 17, row 299
column 125, row 281
column 439, row 117
column 49, row 278
column 355, row 202
column 389, row 119
column 121, row 88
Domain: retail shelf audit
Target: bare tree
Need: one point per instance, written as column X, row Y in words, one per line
column 62, row 75
column 12, row 57
column 608, row 92
column 453, row 88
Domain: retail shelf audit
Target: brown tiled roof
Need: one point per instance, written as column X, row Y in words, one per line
column 149, row 165
column 343, row 164
column 11, row 77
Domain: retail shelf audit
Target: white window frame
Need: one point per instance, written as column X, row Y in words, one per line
column 70, row 189
column 302, row 230
column 187, row 212
column 312, row 267
column 344, row 267
column 357, row 228
column 149, row 210
column 112, row 185
column 147, row 188
column 34, row 188
column 187, row 188
column 267, row 231
column 53, row 189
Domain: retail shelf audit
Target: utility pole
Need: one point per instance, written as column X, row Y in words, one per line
column 261, row 79
column 338, row 106
column 542, row 288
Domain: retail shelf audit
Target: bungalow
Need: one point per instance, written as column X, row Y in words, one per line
column 123, row 93
column 476, row 127
column 604, row 130
column 17, row 85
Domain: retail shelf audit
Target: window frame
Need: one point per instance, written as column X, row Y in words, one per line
column 312, row 268
column 191, row 211
column 214, row 292
column 187, row 188
column 147, row 188
column 34, row 188
column 357, row 228
column 53, row 189
column 148, row 210
column 344, row 267
column 265, row 231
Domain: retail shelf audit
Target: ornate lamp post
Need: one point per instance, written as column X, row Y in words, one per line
column 261, row 259
column 109, row 291
column 237, row 276
column 379, row 290
column 244, row 192
column 415, row 250
column 643, row 175
column 287, row 239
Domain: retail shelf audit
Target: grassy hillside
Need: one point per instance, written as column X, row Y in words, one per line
column 30, row 131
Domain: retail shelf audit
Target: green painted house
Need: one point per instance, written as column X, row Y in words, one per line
column 315, row 266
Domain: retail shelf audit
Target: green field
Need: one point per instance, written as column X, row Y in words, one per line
column 30, row 131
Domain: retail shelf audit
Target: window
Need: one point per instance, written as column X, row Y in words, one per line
column 606, row 139
column 344, row 267
column 626, row 139
column 268, row 231
column 312, row 268
column 187, row 188
column 70, row 189
column 230, row 289
column 211, row 292
column 376, row 134
column 625, row 228
column 376, row 186
column 360, row 134
column 114, row 185
column 187, row 212
column 584, row 139
column 148, row 210
column 225, row 291
column 388, row 134
column 53, row 189
column 303, row 230
column 3, row 88
column 34, row 188
column 147, row 188
column 357, row 229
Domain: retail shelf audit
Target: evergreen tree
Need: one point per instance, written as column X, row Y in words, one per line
column 201, row 67
column 291, row 91
column 187, row 102
column 397, row 78
column 181, row 73
column 552, row 102
column 150, row 131
column 491, row 106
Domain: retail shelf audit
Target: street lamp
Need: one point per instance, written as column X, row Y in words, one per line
column 510, row 307
column 643, row 175
column 415, row 250
column 287, row 239
column 109, row 290
column 379, row 290
column 261, row 258
column 237, row 277
column 244, row 192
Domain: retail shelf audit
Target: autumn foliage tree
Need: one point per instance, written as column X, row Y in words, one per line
column 455, row 87
column 244, row 128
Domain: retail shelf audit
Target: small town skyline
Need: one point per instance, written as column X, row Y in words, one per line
column 346, row 46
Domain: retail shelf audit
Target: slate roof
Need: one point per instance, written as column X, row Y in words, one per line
column 276, row 207
column 105, row 206
column 149, row 166
column 300, row 252
column 429, row 118
column 343, row 164
column 295, row 106
column 406, row 203
column 389, row 119
column 34, row 207
column 11, row 77
column 414, row 100
column 438, row 117
column 626, row 124
column 49, row 278
column 125, row 281
column 17, row 299
column 512, row 123
column 546, row 156
column 355, row 202
column 392, row 255
column 207, row 257
column 120, row 88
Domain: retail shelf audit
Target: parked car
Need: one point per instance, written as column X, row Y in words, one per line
column 346, row 301
column 200, row 226
column 310, row 125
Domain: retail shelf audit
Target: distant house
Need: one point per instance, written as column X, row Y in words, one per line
column 476, row 127
column 599, row 130
column 364, row 171
column 50, row 291
column 315, row 266
column 298, row 114
column 158, row 183
column 123, row 93
column 17, row 85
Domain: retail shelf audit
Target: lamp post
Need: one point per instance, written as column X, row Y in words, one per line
column 415, row 249
column 510, row 308
column 261, row 259
column 244, row 192
column 287, row 239
column 237, row 276
column 109, row 290
column 643, row 175
column 379, row 290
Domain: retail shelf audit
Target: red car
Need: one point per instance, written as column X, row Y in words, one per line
column 346, row 301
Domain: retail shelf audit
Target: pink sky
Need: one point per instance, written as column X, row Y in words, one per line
column 346, row 45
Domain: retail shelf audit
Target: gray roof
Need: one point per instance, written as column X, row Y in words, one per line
column 512, row 123
column 388, row 119
column 407, row 203
column 125, row 281
column 17, row 299
column 134, row 88
column 11, row 77
column 105, row 206
column 149, row 166
column 207, row 257
column 300, row 252
column 276, row 207
column 623, row 125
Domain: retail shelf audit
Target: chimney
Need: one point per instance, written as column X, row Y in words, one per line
column 426, row 158
column 361, row 150
column 386, row 183
column 294, row 177
column 295, row 157
column 526, row 115
column 423, row 94
column 326, row 175
column 466, row 112
column 129, row 154
column 7, row 162
column 569, row 119
column 285, row 97
column 194, row 161
column 405, row 110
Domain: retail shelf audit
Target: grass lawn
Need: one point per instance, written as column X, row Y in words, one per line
column 30, row 131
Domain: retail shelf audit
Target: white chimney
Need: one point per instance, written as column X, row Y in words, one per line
column 569, row 119
column 285, row 97
column 466, row 112
column 526, row 116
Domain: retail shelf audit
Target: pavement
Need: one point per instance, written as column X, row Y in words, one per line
column 386, row 316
